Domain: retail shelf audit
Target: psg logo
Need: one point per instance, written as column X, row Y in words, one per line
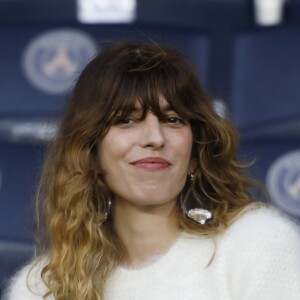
column 283, row 182
column 52, row 61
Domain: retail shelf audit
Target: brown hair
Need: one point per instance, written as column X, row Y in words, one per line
column 81, row 253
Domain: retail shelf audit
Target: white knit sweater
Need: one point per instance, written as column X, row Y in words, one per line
column 257, row 258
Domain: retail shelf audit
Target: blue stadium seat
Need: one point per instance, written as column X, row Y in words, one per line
column 20, row 96
column 277, row 164
column 265, row 77
column 264, row 104
column 19, row 166
column 293, row 11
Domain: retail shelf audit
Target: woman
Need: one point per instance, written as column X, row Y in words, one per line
column 143, row 198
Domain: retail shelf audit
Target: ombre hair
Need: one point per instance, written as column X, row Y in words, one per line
column 81, row 249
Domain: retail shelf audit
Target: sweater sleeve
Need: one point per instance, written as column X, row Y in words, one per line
column 265, row 257
column 26, row 284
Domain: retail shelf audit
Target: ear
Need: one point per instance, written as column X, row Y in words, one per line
column 192, row 166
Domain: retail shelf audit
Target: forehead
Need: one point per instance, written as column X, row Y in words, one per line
column 161, row 103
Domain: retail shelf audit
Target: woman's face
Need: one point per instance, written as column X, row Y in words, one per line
column 146, row 162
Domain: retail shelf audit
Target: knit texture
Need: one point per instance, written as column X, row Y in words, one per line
column 257, row 258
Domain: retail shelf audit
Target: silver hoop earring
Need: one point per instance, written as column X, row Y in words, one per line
column 199, row 215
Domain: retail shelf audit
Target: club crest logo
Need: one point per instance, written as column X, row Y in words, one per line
column 283, row 182
column 53, row 60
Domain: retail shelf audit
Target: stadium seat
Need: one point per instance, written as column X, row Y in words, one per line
column 264, row 104
column 19, row 166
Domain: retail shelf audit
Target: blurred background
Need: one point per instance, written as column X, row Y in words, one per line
column 246, row 51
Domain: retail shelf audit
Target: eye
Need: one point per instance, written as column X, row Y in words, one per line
column 123, row 121
column 175, row 120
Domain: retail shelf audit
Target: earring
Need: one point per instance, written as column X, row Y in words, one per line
column 107, row 210
column 199, row 215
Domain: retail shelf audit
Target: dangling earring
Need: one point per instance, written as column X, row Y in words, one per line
column 199, row 215
column 107, row 210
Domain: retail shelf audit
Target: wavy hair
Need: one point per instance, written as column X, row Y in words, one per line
column 81, row 250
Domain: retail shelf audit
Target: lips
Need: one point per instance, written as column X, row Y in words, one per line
column 152, row 163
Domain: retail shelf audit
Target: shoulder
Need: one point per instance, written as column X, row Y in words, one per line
column 263, row 230
column 27, row 283
column 260, row 252
column 264, row 224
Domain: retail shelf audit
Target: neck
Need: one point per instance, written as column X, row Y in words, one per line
column 145, row 231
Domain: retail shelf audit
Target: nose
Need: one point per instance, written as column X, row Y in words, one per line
column 152, row 133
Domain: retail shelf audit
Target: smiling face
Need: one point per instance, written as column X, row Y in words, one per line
column 146, row 158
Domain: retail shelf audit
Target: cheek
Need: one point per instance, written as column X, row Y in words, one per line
column 111, row 151
column 186, row 143
column 104, row 154
column 107, row 162
column 186, row 148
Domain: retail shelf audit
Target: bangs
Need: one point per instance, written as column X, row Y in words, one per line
column 145, row 90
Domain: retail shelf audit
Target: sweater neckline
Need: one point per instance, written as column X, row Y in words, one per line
column 153, row 260
column 178, row 245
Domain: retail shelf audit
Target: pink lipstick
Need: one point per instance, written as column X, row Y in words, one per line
column 152, row 163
